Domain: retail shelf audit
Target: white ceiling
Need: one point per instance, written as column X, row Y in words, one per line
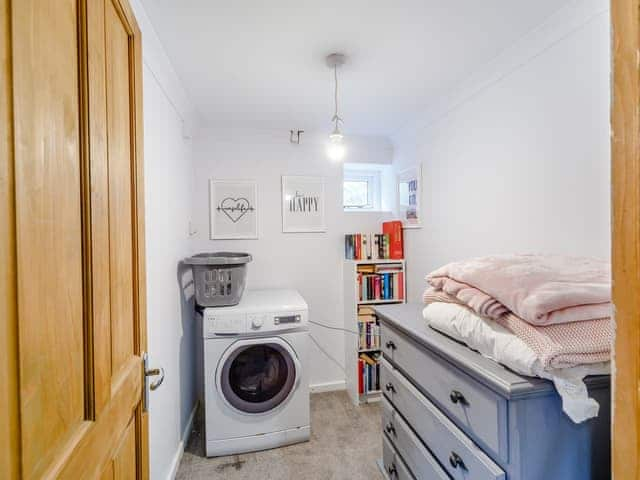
column 260, row 63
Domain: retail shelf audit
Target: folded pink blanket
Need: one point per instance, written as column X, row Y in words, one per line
column 540, row 289
column 557, row 346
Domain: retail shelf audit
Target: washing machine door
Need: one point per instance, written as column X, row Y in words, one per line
column 255, row 376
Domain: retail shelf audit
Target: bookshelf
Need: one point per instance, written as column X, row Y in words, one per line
column 358, row 310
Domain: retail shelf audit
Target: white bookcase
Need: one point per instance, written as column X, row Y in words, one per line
column 352, row 341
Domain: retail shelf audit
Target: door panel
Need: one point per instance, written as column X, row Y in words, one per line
column 124, row 462
column 120, row 170
column 48, row 229
column 100, row 443
column 107, row 473
column 79, row 257
column 99, row 198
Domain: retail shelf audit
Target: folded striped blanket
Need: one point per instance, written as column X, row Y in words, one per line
column 561, row 345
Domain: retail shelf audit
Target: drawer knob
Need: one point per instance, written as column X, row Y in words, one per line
column 390, row 429
column 389, row 387
column 457, row 397
column 456, row 461
column 391, row 469
column 390, row 345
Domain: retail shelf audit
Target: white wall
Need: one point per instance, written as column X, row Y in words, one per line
column 308, row 262
column 516, row 159
column 168, row 183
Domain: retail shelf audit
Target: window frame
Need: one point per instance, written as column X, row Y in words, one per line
column 372, row 179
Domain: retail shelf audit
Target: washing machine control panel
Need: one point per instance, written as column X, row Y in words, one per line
column 223, row 324
column 229, row 324
column 285, row 319
column 256, row 320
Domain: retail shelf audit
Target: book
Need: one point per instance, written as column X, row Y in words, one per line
column 369, row 373
column 375, row 247
column 364, row 247
column 368, row 268
column 367, row 359
column 365, row 310
column 394, row 231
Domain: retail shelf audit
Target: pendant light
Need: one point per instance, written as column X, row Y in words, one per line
column 336, row 149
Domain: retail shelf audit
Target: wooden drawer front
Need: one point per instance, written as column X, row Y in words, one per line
column 477, row 410
column 417, row 457
column 445, row 441
column 394, row 467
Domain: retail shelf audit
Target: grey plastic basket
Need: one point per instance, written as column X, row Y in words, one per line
column 219, row 277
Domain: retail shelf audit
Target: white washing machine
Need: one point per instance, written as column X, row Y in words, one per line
column 254, row 380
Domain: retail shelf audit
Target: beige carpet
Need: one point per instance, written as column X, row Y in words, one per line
column 345, row 443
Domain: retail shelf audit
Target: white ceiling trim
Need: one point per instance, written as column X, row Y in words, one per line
column 561, row 24
column 158, row 63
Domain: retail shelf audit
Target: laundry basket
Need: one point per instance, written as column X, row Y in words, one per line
column 219, row 277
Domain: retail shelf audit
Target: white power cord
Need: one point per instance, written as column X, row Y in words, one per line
column 334, row 328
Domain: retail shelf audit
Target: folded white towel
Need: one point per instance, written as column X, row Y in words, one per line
column 499, row 344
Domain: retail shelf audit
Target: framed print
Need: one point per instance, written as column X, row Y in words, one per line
column 233, row 209
column 409, row 192
column 303, row 204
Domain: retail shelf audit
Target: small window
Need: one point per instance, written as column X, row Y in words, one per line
column 357, row 194
column 361, row 187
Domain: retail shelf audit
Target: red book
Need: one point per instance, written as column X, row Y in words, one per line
column 360, row 378
column 394, row 230
column 401, row 285
column 358, row 246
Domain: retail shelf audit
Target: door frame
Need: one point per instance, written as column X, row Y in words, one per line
column 625, row 239
column 10, row 434
column 9, row 386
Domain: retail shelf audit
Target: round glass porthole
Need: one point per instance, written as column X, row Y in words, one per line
column 257, row 378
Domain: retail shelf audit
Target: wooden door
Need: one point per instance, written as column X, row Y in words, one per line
column 625, row 15
column 72, row 255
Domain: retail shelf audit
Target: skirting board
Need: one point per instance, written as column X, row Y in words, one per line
column 328, row 386
column 183, row 443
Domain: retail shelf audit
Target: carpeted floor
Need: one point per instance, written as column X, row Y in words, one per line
column 345, row 443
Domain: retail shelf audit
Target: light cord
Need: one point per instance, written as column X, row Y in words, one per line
column 336, row 117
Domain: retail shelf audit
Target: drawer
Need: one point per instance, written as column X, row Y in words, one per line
column 419, row 460
column 458, row 454
column 476, row 409
column 394, row 467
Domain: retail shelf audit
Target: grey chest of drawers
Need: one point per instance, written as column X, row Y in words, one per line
column 449, row 412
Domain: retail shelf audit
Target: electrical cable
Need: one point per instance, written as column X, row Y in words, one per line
column 327, row 353
column 334, row 328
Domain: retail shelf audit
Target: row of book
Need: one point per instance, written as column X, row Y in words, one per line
column 368, row 373
column 380, row 282
column 376, row 246
column 366, row 246
column 368, row 330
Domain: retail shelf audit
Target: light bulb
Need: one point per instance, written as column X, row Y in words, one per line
column 336, row 149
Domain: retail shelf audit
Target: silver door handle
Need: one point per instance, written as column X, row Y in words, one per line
column 154, row 372
column 149, row 372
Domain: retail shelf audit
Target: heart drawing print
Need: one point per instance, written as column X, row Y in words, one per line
column 235, row 208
